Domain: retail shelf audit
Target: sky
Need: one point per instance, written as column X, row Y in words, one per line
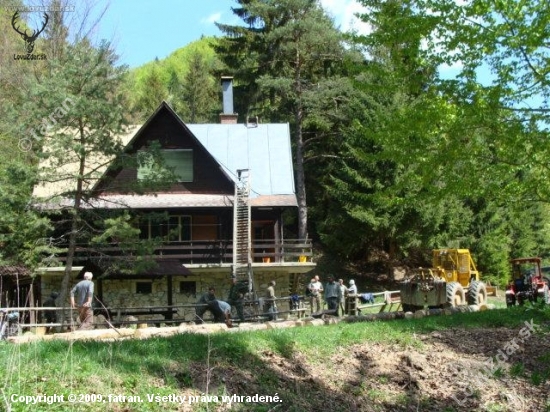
column 142, row 30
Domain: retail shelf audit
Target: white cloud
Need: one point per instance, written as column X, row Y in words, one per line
column 343, row 12
column 213, row 18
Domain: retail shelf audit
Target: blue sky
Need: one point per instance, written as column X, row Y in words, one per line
column 141, row 30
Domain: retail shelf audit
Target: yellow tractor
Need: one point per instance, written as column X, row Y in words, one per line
column 452, row 280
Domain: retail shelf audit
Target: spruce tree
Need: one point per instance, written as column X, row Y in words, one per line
column 285, row 59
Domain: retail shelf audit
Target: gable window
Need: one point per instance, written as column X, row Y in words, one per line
column 179, row 161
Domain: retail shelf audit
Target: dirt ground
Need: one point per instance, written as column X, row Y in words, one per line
column 448, row 371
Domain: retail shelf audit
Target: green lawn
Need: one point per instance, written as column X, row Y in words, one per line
column 165, row 366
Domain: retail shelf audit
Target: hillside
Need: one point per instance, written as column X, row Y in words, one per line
column 430, row 364
column 167, row 79
column 177, row 61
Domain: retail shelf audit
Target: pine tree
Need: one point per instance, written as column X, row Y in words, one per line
column 85, row 112
column 286, row 57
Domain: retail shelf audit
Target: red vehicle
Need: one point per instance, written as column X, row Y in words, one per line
column 528, row 282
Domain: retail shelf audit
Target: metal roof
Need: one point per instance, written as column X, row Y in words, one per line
column 264, row 149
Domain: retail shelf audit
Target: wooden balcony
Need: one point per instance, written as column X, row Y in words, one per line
column 211, row 252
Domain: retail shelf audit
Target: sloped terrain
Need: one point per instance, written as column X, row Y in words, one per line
column 447, row 370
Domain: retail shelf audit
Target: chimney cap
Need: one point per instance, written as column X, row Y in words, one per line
column 227, row 78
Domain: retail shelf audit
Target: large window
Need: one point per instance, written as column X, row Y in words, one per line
column 174, row 228
column 179, row 161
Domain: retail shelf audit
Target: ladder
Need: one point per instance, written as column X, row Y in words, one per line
column 242, row 268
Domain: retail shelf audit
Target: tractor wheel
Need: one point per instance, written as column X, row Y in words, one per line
column 477, row 293
column 455, row 294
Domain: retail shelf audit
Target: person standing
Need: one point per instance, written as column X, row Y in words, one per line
column 81, row 298
column 342, row 296
column 236, row 297
column 315, row 289
column 270, row 307
column 50, row 316
column 332, row 293
column 352, row 290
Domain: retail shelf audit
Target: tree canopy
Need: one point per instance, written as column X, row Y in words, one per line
column 429, row 131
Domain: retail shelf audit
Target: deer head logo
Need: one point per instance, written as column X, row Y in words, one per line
column 29, row 40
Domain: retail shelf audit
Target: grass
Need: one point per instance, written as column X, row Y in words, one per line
column 165, row 366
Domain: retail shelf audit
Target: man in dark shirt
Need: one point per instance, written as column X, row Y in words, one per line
column 202, row 304
column 236, row 297
column 50, row 315
column 332, row 293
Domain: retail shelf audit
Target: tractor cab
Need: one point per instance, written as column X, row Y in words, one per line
column 456, row 264
column 527, row 283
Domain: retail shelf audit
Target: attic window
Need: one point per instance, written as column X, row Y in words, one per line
column 179, row 161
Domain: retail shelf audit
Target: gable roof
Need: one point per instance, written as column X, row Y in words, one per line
column 264, row 149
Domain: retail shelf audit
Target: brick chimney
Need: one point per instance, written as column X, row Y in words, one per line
column 227, row 116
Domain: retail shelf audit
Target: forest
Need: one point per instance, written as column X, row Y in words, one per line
column 392, row 155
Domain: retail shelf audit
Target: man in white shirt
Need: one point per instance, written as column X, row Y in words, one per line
column 315, row 289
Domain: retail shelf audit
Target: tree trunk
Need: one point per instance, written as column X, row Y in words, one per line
column 63, row 293
column 299, row 141
column 300, row 184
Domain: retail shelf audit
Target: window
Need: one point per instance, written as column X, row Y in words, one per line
column 179, row 161
column 178, row 228
column 188, row 288
column 175, row 228
column 144, row 287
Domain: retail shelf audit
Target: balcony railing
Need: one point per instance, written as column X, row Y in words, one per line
column 213, row 252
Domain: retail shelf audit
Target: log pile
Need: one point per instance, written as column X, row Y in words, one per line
column 142, row 332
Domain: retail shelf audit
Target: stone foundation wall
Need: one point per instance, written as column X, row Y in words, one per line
column 118, row 293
